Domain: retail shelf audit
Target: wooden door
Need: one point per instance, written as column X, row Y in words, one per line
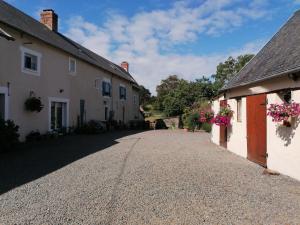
column 257, row 129
column 223, row 129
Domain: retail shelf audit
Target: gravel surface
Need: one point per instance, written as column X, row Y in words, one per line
column 154, row 177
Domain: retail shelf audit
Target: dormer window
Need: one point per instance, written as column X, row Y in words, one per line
column 72, row 66
column 122, row 91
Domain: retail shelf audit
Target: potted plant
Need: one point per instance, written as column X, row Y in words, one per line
column 33, row 104
column 223, row 117
column 284, row 113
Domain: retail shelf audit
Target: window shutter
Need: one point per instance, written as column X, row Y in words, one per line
column 110, row 89
column 125, row 93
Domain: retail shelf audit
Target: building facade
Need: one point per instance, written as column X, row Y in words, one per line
column 271, row 77
column 73, row 84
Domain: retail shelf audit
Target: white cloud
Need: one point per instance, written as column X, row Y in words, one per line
column 148, row 39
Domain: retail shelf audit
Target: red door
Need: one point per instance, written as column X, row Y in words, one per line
column 223, row 129
column 257, row 129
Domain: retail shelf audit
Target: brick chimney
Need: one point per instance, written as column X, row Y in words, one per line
column 125, row 66
column 50, row 19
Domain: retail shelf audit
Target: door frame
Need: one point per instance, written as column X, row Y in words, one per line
column 4, row 90
column 62, row 100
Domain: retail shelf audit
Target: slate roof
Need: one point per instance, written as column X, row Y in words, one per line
column 15, row 18
column 280, row 56
column 6, row 35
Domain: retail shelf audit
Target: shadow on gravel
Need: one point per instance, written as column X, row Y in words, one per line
column 33, row 161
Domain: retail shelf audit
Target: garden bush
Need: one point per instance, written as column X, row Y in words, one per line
column 206, row 127
column 91, row 127
column 192, row 121
column 9, row 136
column 33, row 136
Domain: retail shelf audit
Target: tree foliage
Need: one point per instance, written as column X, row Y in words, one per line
column 145, row 95
column 228, row 69
column 174, row 95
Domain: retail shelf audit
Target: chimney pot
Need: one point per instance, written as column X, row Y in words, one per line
column 125, row 66
column 50, row 19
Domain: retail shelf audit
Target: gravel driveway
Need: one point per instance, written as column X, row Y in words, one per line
column 153, row 177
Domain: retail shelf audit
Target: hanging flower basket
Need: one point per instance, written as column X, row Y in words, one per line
column 223, row 118
column 284, row 113
column 33, row 104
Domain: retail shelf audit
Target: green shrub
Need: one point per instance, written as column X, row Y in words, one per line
column 207, row 127
column 192, row 121
column 33, row 136
column 9, row 136
column 92, row 127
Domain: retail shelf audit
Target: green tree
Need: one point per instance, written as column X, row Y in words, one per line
column 228, row 69
column 175, row 101
column 164, row 89
column 145, row 95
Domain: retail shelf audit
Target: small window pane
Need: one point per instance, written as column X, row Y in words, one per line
column 30, row 62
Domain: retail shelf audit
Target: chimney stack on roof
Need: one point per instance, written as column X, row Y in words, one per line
column 50, row 19
column 125, row 66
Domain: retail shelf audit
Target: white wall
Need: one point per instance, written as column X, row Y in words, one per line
column 237, row 133
column 283, row 143
column 215, row 131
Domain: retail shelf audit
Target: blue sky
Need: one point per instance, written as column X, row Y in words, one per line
column 159, row 38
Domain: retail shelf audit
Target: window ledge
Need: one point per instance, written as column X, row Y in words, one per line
column 31, row 72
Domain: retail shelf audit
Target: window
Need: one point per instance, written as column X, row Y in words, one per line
column 72, row 66
column 122, row 91
column 135, row 100
column 239, row 109
column 30, row 61
column 106, row 88
column 97, row 84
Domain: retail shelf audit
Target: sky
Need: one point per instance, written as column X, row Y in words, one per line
column 159, row 38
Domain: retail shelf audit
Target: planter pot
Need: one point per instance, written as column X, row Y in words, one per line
column 288, row 122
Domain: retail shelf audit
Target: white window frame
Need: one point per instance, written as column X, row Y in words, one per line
column 4, row 90
column 36, row 72
column 62, row 100
column 72, row 72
